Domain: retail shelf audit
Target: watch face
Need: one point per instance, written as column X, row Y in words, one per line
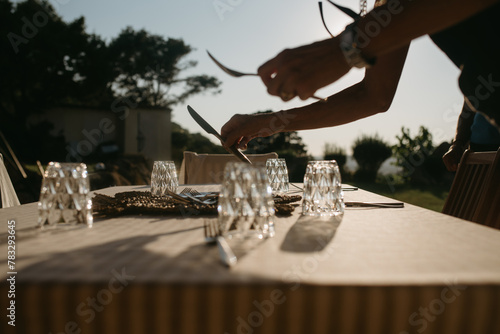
column 350, row 50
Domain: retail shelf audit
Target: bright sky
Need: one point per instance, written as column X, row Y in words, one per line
column 243, row 34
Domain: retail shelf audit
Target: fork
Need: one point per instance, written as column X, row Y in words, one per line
column 212, row 234
column 241, row 74
column 211, row 231
column 190, row 191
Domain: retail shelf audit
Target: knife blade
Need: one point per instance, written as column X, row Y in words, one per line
column 209, row 129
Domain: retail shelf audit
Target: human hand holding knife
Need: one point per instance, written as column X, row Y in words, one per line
column 209, row 129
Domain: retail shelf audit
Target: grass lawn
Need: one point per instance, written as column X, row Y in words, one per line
column 429, row 197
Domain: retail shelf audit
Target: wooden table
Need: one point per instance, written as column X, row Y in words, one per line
column 406, row 270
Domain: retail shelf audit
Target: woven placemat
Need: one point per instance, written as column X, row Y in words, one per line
column 142, row 202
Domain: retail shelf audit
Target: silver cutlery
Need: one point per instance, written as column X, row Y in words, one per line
column 212, row 234
column 190, row 191
column 209, row 129
column 375, row 204
column 343, row 188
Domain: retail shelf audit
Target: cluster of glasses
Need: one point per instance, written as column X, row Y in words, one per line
column 245, row 206
column 64, row 196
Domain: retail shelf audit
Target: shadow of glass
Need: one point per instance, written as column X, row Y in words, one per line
column 311, row 234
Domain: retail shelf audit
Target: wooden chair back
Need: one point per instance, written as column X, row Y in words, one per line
column 474, row 193
column 209, row 168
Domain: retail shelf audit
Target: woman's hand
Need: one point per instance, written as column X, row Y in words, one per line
column 451, row 159
column 303, row 70
column 240, row 129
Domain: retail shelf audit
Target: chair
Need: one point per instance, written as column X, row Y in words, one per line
column 208, row 168
column 9, row 196
column 474, row 194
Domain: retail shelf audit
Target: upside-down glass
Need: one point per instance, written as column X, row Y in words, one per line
column 163, row 178
column 277, row 172
column 322, row 189
column 246, row 205
column 64, row 196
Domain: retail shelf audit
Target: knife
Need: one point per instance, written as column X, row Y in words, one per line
column 208, row 128
column 374, row 204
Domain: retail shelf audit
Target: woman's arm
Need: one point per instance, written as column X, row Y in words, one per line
column 303, row 70
column 372, row 95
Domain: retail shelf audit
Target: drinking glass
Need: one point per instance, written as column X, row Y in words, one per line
column 64, row 196
column 322, row 189
column 277, row 172
column 246, row 205
column 163, row 178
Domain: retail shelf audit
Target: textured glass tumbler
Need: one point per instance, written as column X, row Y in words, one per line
column 163, row 178
column 277, row 173
column 322, row 189
column 64, row 196
column 246, row 205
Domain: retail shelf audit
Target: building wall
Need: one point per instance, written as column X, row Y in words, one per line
column 150, row 133
column 139, row 131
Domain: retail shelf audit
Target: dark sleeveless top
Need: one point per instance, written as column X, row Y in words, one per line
column 474, row 46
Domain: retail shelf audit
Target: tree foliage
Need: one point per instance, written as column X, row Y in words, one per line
column 46, row 62
column 421, row 161
column 148, row 68
column 411, row 152
column 370, row 152
column 334, row 152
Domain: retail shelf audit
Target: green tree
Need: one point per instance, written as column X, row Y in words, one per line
column 412, row 152
column 421, row 161
column 148, row 69
column 370, row 152
column 334, row 152
column 45, row 62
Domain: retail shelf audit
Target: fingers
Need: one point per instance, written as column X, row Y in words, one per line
column 451, row 160
column 267, row 71
column 238, row 142
column 241, row 129
column 450, row 165
column 231, row 139
column 284, row 76
column 302, row 71
column 231, row 131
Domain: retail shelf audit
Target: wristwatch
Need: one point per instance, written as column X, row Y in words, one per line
column 349, row 47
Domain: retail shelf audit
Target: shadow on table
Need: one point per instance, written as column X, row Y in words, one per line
column 132, row 255
column 311, row 234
